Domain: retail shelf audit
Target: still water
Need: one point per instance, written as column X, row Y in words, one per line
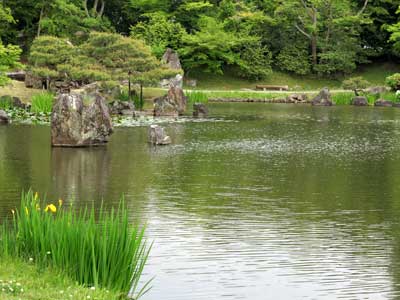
column 260, row 202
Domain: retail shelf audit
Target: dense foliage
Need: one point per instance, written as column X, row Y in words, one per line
column 328, row 37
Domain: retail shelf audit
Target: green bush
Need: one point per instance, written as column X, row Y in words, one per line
column 99, row 249
column 42, row 103
column 393, row 81
column 342, row 98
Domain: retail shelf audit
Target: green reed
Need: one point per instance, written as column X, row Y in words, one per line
column 42, row 103
column 95, row 248
column 197, row 97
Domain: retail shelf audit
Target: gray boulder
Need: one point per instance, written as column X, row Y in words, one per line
column 323, row 98
column 375, row 90
column 359, row 101
column 172, row 104
column 200, row 110
column 74, row 124
column 157, row 136
column 383, row 103
column 4, row 119
column 34, row 82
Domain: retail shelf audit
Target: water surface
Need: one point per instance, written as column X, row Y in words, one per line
column 263, row 201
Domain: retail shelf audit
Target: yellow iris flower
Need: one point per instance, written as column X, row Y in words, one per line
column 51, row 207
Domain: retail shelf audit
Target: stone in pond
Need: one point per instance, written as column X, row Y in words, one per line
column 360, row 101
column 4, row 119
column 383, row 103
column 323, row 98
column 157, row 136
column 124, row 108
column 200, row 110
column 74, row 124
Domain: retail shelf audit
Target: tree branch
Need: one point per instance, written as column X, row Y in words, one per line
column 103, row 3
column 363, row 8
column 303, row 32
column 85, row 7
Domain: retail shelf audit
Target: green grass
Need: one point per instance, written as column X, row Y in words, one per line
column 343, row 98
column 94, row 249
column 42, row 103
column 23, row 280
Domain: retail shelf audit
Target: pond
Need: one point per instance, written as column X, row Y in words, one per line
column 262, row 201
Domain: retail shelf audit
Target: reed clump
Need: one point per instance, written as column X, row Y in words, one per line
column 94, row 248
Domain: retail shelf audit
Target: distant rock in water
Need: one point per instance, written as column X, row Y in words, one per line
column 323, row 98
column 359, row 101
column 157, row 136
column 200, row 110
column 297, row 98
column 74, row 124
column 172, row 104
column 4, row 119
column 383, row 103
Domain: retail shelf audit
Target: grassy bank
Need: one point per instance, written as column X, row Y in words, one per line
column 97, row 249
column 23, row 280
column 374, row 73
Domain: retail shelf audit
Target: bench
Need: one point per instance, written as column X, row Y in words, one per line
column 272, row 87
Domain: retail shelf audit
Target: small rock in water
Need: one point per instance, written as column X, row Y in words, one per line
column 4, row 119
column 157, row 136
column 200, row 110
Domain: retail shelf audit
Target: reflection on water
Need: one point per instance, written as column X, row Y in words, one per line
column 275, row 202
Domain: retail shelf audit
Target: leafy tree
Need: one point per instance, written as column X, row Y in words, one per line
column 9, row 59
column 394, row 81
column 159, row 32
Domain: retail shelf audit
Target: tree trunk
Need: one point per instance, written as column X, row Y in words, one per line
column 314, row 50
column 40, row 20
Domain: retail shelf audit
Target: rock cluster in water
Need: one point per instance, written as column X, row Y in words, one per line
column 74, row 124
column 359, row 101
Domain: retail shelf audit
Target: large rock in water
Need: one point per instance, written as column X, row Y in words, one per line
column 74, row 124
column 323, row 98
column 172, row 104
column 4, row 119
column 383, row 103
column 157, row 136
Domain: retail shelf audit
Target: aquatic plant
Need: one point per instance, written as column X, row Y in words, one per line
column 6, row 103
column 42, row 103
column 95, row 248
column 342, row 98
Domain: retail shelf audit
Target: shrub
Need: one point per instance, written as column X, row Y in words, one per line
column 342, row 98
column 42, row 103
column 393, row 81
column 96, row 249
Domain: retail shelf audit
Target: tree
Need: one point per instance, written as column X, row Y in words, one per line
column 103, row 57
column 9, row 59
column 356, row 84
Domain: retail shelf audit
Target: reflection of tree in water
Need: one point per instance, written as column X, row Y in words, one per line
column 81, row 173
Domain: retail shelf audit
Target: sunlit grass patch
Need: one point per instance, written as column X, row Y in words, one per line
column 42, row 103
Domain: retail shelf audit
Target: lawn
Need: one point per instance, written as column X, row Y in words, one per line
column 23, row 280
